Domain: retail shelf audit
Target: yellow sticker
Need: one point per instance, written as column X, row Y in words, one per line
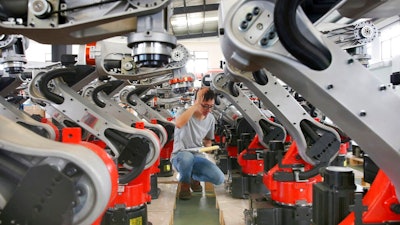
column 167, row 167
column 136, row 221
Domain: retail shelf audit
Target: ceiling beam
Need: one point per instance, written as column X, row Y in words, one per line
column 194, row 9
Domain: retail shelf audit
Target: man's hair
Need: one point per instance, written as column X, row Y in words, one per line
column 209, row 95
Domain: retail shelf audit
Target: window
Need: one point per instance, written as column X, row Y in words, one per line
column 198, row 64
column 390, row 41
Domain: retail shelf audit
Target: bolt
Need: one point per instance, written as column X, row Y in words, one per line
column 260, row 26
column 264, row 41
column 350, row 61
column 249, row 16
column 395, row 208
column 271, row 35
column 256, row 11
column 330, row 86
column 244, row 25
column 71, row 171
column 363, row 113
column 382, row 88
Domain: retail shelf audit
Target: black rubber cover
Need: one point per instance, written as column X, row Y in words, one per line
column 310, row 54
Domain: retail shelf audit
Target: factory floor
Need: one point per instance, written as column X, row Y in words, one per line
column 199, row 210
column 213, row 206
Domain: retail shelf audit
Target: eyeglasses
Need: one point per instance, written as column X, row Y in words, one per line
column 205, row 106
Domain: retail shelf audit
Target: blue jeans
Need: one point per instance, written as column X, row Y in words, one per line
column 190, row 165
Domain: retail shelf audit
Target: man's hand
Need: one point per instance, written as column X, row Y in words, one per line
column 200, row 95
column 196, row 107
column 207, row 142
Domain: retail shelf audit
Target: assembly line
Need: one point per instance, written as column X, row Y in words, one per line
column 291, row 98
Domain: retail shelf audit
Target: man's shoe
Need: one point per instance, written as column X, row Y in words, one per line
column 196, row 186
column 184, row 191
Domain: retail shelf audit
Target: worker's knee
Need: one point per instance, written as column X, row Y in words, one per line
column 220, row 178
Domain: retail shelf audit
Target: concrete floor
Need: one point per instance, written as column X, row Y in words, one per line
column 199, row 210
column 202, row 208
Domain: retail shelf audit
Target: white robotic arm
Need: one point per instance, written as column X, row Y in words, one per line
column 325, row 75
column 74, row 22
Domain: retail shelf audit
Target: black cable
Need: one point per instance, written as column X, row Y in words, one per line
column 50, row 75
column 310, row 54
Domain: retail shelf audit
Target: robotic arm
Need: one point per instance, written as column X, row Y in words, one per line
column 45, row 181
column 319, row 70
column 266, row 129
column 74, row 22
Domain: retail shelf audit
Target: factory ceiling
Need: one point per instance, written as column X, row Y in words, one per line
column 194, row 18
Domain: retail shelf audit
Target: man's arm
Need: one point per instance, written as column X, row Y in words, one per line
column 181, row 120
column 188, row 113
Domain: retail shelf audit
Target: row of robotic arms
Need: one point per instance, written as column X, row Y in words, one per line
column 290, row 161
column 107, row 134
column 262, row 41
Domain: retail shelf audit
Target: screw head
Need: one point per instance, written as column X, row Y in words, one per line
column 244, row 25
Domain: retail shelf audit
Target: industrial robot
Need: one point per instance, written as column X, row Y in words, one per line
column 133, row 149
column 277, row 38
column 250, row 148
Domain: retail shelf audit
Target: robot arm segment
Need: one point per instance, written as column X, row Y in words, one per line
column 101, row 97
column 310, row 135
column 76, row 22
column 116, row 134
column 72, row 177
column 266, row 129
column 11, row 112
column 130, row 96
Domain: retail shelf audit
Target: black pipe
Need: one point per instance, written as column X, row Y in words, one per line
column 315, row 56
column 46, row 78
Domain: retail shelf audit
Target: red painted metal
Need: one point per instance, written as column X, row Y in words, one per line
column 154, row 169
column 89, row 55
column 166, row 151
column 378, row 200
column 292, row 192
column 55, row 128
column 255, row 166
column 99, row 143
column 343, row 148
column 139, row 125
column 232, row 151
column 136, row 192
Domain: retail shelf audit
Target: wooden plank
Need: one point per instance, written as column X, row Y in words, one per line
column 354, row 160
column 230, row 209
column 161, row 210
column 168, row 180
column 161, row 217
